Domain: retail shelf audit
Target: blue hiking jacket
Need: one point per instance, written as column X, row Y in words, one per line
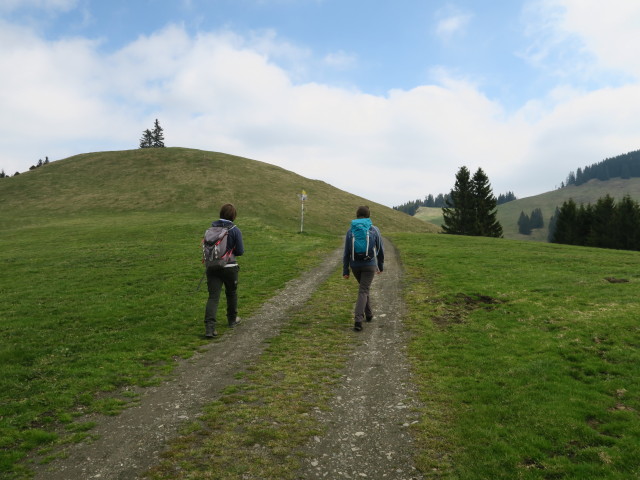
column 374, row 236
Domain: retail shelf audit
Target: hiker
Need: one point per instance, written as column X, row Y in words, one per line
column 224, row 271
column 364, row 253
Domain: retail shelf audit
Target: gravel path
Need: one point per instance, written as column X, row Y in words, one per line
column 131, row 443
column 366, row 428
column 367, row 424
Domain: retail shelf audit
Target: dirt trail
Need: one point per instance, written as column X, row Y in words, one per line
column 131, row 443
column 368, row 420
column 367, row 427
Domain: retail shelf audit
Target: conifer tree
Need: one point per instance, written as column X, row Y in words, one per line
column 459, row 210
column 157, row 136
column 147, row 139
column 536, row 219
column 565, row 223
column 602, row 230
column 470, row 208
column 524, row 224
column 627, row 224
column 429, row 201
column 485, row 203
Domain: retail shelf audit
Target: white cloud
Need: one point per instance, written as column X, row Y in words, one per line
column 609, row 30
column 223, row 92
column 584, row 37
column 452, row 21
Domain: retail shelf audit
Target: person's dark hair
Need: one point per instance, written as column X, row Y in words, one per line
column 228, row 212
column 363, row 212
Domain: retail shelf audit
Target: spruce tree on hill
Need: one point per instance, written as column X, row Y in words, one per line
column 470, row 208
column 627, row 221
column 147, row 140
column 572, row 223
column 459, row 210
column 524, row 224
column 566, row 223
column 157, row 136
column 603, row 231
column 487, row 224
column 536, row 219
column 429, row 201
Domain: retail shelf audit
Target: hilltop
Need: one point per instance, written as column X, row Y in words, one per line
column 181, row 180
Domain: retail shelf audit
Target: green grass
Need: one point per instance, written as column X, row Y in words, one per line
column 99, row 263
column 259, row 427
column 527, row 358
column 93, row 306
column 430, row 214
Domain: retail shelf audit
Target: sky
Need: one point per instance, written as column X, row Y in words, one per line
column 384, row 99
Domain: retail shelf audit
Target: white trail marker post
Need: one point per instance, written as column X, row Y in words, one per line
column 303, row 197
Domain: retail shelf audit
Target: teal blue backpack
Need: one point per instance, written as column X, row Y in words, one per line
column 363, row 236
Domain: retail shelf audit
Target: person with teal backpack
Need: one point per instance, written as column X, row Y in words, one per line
column 364, row 255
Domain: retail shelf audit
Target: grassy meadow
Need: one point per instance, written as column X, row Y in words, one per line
column 525, row 355
column 527, row 358
column 99, row 266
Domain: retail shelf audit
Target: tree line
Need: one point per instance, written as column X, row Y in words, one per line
column 526, row 223
column 32, row 167
column 440, row 201
column 471, row 206
column 623, row 166
column 607, row 224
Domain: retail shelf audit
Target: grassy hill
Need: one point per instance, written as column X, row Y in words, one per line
column 589, row 192
column 185, row 181
column 100, row 260
column 430, row 214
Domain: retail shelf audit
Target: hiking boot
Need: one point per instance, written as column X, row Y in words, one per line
column 234, row 323
column 368, row 319
column 357, row 326
column 210, row 331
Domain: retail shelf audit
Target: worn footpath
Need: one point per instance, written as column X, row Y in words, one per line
column 366, row 432
column 367, row 426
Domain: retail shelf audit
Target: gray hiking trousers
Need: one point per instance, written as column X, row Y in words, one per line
column 364, row 276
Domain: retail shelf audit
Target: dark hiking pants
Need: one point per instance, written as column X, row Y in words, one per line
column 364, row 276
column 216, row 279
